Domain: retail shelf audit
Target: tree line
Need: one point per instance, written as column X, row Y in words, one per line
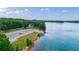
column 13, row 23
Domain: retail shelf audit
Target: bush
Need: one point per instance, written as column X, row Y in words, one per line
column 17, row 48
column 4, row 42
column 29, row 42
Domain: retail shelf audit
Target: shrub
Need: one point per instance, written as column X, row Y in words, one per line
column 29, row 42
column 17, row 48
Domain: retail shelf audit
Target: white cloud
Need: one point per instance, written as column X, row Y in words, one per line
column 13, row 12
column 26, row 9
column 44, row 9
column 16, row 11
column 9, row 12
column 2, row 10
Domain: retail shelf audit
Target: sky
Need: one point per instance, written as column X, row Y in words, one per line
column 41, row 13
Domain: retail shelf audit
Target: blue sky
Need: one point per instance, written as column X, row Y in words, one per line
column 41, row 13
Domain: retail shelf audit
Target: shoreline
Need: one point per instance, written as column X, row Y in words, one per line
column 34, row 42
column 20, row 43
column 30, row 47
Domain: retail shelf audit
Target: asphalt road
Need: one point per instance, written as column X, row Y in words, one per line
column 19, row 33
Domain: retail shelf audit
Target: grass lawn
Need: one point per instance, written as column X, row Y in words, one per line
column 21, row 42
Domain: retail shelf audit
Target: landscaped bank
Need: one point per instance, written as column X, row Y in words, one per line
column 26, row 42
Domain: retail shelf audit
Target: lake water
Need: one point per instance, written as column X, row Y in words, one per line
column 59, row 37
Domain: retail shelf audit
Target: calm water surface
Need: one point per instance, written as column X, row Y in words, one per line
column 59, row 37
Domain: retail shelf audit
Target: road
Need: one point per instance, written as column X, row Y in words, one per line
column 13, row 36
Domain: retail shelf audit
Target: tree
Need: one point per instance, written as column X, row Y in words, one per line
column 17, row 48
column 29, row 42
column 4, row 42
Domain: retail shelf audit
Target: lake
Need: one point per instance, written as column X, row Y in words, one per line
column 59, row 37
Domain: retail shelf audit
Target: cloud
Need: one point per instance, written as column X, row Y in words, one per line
column 13, row 12
column 26, row 9
column 44, row 9
column 17, row 11
column 2, row 10
column 9, row 12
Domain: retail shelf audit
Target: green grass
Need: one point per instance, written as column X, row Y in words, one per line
column 21, row 42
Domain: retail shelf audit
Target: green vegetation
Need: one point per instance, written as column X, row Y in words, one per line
column 4, row 42
column 22, row 42
column 13, row 23
column 37, row 24
column 27, row 40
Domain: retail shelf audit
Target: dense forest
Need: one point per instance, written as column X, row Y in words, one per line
column 12, row 23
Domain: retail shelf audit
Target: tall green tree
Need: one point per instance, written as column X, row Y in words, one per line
column 29, row 42
column 4, row 42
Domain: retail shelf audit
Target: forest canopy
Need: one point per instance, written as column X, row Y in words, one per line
column 12, row 23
